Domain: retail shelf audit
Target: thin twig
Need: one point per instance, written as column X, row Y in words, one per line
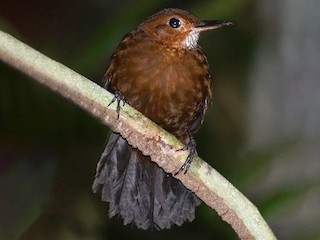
column 140, row 132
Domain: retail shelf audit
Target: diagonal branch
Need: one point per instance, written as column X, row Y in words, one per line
column 140, row 132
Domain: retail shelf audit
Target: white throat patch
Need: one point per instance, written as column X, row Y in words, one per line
column 192, row 40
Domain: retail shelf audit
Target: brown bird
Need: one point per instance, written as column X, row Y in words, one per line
column 159, row 69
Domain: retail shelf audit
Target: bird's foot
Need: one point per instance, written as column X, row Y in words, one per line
column 119, row 98
column 191, row 146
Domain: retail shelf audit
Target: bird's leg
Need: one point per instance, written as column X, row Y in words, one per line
column 191, row 146
column 118, row 97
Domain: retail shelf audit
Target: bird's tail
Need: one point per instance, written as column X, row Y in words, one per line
column 140, row 191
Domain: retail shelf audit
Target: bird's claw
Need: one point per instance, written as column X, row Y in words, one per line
column 119, row 98
column 191, row 146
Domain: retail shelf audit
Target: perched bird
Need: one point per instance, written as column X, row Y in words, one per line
column 160, row 70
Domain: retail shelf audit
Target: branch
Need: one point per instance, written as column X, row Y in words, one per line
column 140, row 132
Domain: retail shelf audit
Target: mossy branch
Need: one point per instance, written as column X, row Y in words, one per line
column 140, row 132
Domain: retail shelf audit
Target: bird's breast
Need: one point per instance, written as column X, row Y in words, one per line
column 167, row 86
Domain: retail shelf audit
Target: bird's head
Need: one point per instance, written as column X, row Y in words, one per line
column 178, row 28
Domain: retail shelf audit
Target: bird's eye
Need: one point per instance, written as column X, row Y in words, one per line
column 174, row 23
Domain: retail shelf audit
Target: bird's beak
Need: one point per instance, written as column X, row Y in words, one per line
column 211, row 24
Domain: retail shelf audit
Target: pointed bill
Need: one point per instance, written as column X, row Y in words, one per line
column 211, row 24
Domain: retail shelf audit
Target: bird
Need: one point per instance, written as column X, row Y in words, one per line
column 159, row 69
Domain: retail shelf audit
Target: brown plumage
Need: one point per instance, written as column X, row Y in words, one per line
column 158, row 69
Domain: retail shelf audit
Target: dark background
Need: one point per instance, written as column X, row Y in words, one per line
column 262, row 132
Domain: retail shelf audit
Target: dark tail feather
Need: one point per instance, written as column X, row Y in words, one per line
column 140, row 191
